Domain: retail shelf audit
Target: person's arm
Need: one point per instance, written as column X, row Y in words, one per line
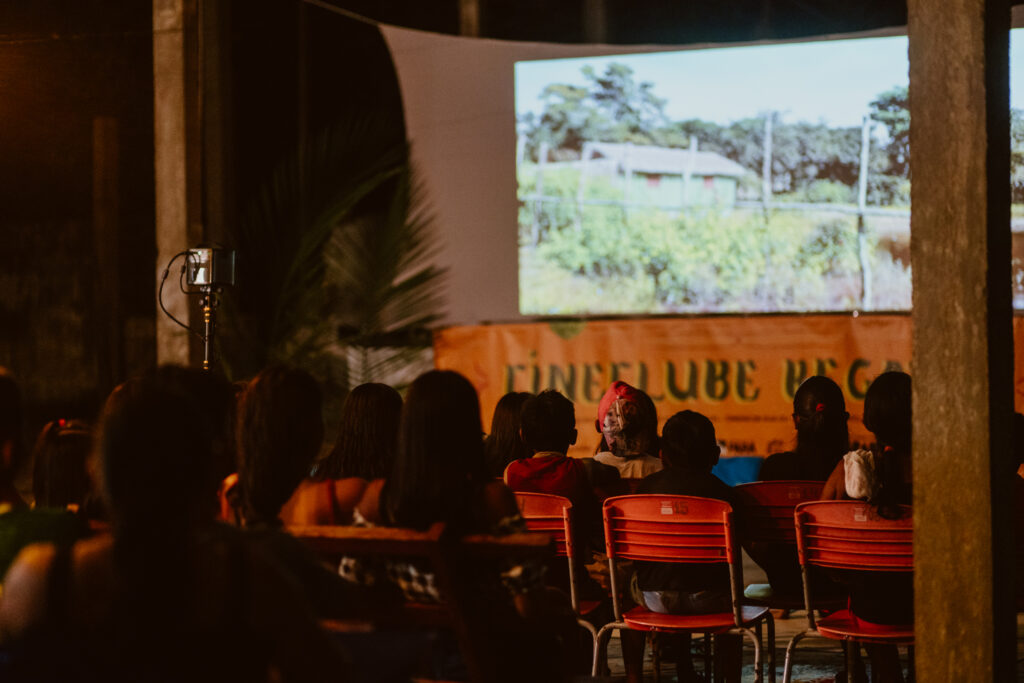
column 835, row 486
column 23, row 602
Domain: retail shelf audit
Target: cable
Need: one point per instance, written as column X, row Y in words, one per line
column 160, row 292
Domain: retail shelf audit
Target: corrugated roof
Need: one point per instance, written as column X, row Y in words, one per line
column 668, row 160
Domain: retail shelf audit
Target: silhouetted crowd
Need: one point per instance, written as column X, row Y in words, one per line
column 156, row 546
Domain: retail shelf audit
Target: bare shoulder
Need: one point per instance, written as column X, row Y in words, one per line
column 369, row 502
column 835, row 485
column 24, row 594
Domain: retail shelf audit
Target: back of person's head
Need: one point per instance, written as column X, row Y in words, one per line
column 504, row 443
column 156, row 444
column 549, row 422
column 628, row 421
column 367, row 435
column 11, row 447
column 440, row 452
column 688, row 442
column 819, row 413
column 887, row 410
column 60, row 464
column 279, row 434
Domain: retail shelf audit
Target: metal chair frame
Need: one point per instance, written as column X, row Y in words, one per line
column 849, row 535
column 684, row 529
column 554, row 515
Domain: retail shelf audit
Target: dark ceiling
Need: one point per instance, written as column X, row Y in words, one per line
column 643, row 21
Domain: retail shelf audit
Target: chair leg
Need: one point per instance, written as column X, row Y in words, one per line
column 787, row 667
column 655, row 656
column 771, row 648
column 852, row 651
column 593, row 637
column 708, row 659
column 758, row 674
column 600, row 643
column 759, row 629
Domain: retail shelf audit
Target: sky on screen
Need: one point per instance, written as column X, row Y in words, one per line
column 828, row 81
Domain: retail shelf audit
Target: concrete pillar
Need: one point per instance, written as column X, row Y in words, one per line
column 178, row 170
column 963, row 345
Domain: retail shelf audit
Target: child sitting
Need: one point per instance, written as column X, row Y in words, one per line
column 689, row 449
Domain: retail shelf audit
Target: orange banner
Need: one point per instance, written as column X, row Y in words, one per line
column 740, row 372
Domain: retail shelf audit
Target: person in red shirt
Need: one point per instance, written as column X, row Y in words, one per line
column 549, row 429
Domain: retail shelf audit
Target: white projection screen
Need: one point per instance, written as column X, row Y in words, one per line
column 581, row 241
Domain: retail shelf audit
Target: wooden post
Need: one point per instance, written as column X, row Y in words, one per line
column 107, row 295
column 469, row 18
column 581, row 185
column 595, row 21
column 963, row 340
column 691, row 164
column 862, row 202
column 538, row 191
column 766, row 167
column 177, row 160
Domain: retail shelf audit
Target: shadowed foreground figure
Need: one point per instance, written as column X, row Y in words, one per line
column 168, row 596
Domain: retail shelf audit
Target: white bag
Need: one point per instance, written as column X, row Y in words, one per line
column 861, row 474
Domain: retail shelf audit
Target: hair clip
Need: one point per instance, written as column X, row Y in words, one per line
column 820, row 408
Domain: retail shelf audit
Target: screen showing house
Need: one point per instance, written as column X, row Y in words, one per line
column 751, row 179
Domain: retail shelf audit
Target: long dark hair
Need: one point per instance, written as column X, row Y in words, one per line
column 367, row 436
column 157, row 444
column 59, row 464
column 888, row 415
column 439, row 463
column 822, row 435
column 503, row 444
column 279, row 433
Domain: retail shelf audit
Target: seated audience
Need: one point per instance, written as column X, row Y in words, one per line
column 549, row 428
column 167, row 596
column 364, row 451
column 819, row 416
column 60, row 485
column 504, row 444
column 883, row 478
column 628, row 423
column 689, row 450
column 440, row 476
column 60, row 477
column 279, row 433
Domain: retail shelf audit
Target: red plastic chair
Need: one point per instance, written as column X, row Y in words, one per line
column 679, row 529
column 765, row 510
column 554, row 515
column 850, row 535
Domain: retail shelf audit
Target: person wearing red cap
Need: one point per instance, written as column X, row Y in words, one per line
column 628, row 422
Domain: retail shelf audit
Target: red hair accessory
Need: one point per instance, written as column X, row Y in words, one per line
column 820, row 408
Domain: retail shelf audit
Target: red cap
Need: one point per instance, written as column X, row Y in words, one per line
column 616, row 391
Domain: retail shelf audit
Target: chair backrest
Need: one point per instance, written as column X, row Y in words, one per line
column 766, row 508
column 678, row 529
column 550, row 514
column 850, row 534
column 553, row 515
column 446, row 556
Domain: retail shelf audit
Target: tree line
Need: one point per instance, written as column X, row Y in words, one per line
column 810, row 161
